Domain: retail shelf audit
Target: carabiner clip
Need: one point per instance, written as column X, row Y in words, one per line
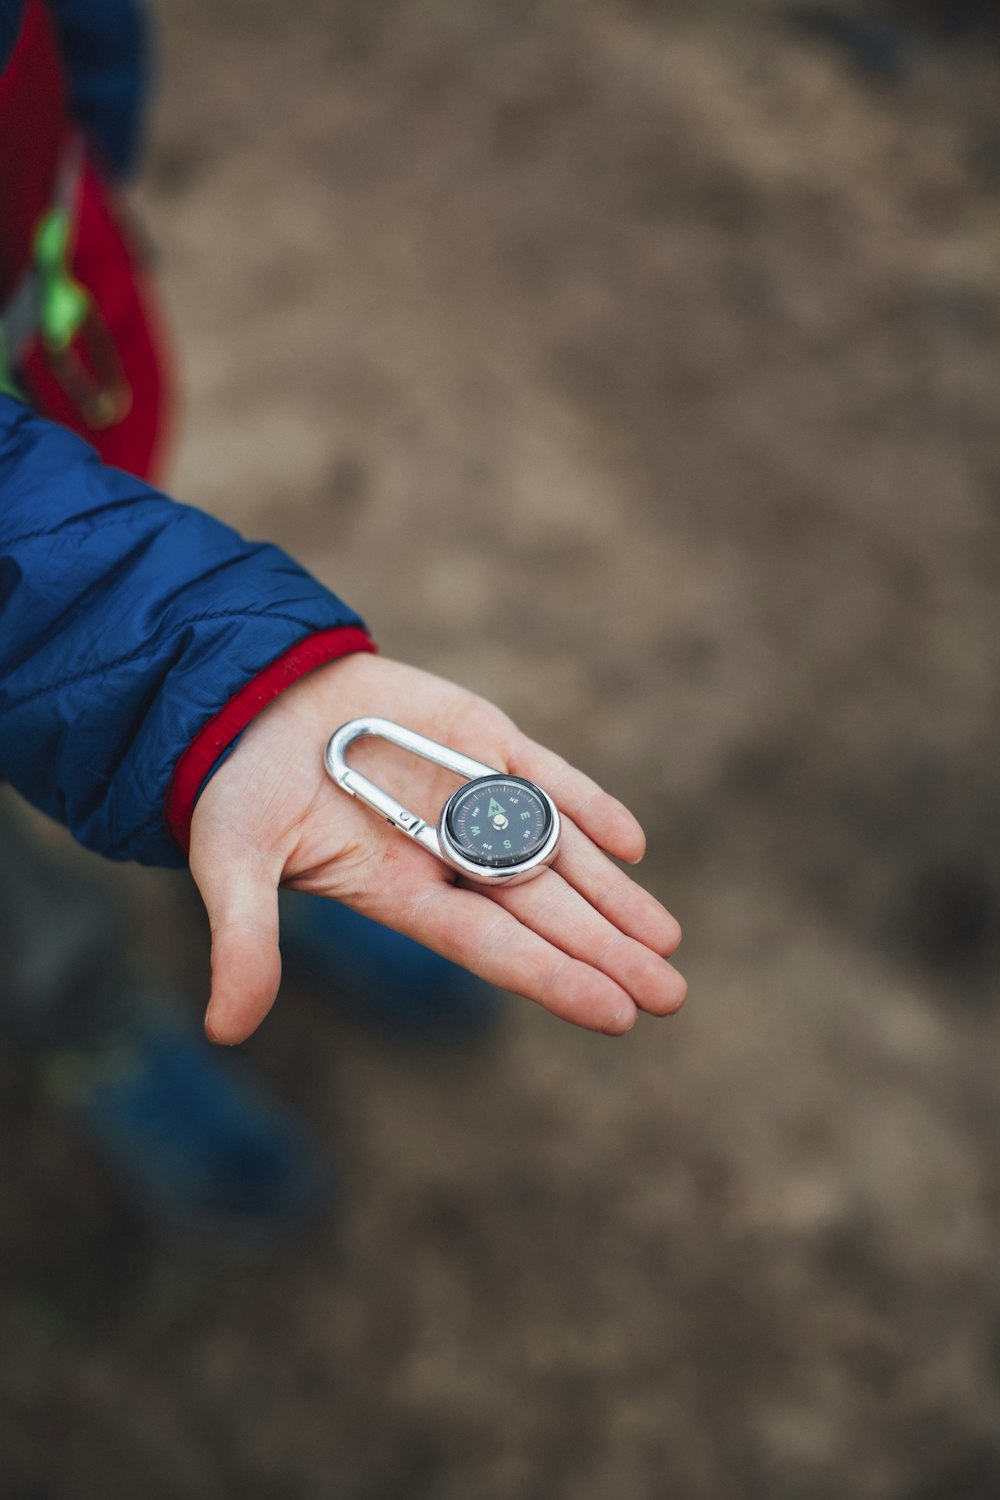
column 496, row 829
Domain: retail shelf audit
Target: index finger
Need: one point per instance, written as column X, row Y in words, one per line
column 602, row 817
column 614, row 893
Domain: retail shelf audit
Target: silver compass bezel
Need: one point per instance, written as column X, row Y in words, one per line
column 511, row 874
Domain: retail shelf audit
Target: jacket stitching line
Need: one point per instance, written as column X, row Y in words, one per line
column 72, row 522
column 121, row 661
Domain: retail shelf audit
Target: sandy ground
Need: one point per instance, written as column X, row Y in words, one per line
column 637, row 365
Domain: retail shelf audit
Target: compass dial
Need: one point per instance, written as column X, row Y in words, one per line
column 498, row 821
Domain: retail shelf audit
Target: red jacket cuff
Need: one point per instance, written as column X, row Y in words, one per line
column 215, row 737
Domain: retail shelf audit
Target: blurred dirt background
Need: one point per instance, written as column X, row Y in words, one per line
column 636, row 364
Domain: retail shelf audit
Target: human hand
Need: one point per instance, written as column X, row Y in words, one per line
column 582, row 938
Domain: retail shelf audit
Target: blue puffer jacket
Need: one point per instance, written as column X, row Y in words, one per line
column 127, row 621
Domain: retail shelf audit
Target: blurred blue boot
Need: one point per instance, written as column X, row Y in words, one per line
column 195, row 1144
column 177, row 1121
column 382, row 979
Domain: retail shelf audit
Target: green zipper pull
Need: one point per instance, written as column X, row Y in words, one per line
column 62, row 301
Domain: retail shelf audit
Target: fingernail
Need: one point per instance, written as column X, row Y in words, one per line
column 681, row 989
column 211, row 1030
column 619, row 1016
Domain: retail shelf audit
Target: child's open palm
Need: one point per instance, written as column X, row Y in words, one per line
column 582, row 938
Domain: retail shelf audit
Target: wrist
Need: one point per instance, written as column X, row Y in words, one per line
column 212, row 744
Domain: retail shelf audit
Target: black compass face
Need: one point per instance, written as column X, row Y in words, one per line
column 498, row 821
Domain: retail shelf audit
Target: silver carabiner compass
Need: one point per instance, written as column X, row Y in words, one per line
column 496, row 829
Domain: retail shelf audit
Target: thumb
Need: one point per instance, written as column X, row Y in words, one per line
column 241, row 898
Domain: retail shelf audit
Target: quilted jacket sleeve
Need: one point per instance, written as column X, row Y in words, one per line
column 127, row 622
